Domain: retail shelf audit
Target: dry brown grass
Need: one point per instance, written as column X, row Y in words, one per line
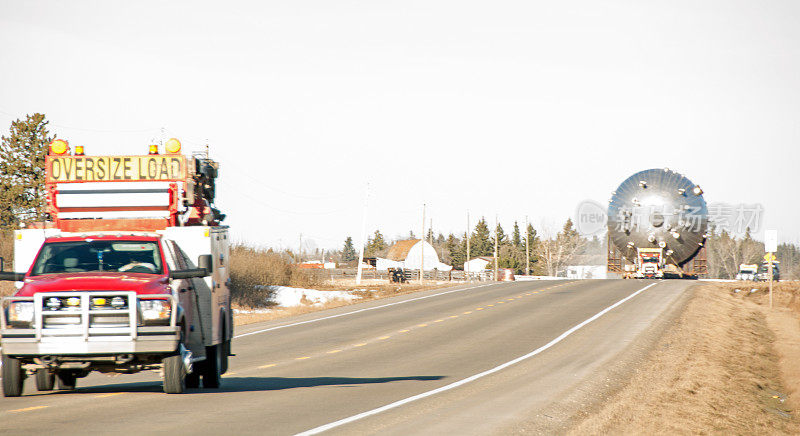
column 252, row 267
column 253, row 271
column 716, row 371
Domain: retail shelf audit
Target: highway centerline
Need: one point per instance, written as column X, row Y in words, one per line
column 357, row 311
column 470, row 379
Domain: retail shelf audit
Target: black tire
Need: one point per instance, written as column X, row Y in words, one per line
column 211, row 368
column 193, row 380
column 66, row 380
column 45, row 379
column 13, row 377
column 226, row 351
column 174, row 375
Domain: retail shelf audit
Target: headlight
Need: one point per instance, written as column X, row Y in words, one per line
column 20, row 312
column 155, row 311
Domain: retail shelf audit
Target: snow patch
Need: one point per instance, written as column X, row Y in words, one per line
column 285, row 296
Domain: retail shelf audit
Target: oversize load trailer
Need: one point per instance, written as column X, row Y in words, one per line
column 127, row 275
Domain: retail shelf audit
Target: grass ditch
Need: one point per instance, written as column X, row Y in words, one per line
column 728, row 366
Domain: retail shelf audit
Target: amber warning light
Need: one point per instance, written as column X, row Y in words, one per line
column 59, row 146
column 173, row 146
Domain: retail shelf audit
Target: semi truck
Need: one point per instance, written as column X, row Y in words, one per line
column 747, row 272
column 649, row 263
column 127, row 273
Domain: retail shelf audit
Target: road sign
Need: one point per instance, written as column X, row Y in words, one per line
column 770, row 241
column 769, row 257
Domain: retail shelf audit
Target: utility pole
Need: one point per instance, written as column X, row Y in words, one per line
column 422, row 248
column 468, row 259
column 363, row 237
column 527, row 248
column 495, row 247
column 300, row 250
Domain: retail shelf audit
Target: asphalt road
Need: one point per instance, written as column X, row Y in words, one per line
column 481, row 359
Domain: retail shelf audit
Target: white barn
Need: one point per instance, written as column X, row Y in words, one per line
column 409, row 254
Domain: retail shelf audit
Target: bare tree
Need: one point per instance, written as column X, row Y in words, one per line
column 556, row 253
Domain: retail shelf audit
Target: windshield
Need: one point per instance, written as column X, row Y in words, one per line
column 93, row 256
column 649, row 259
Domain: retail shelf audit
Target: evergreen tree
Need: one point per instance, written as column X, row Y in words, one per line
column 480, row 242
column 516, row 238
column 502, row 238
column 348, row 252
column 375, row 245
column 440, row 239
column 411, row 235
column 457, row 249
column 532, row 237
column 429, row 237
column 22, row 171
column 533, row 243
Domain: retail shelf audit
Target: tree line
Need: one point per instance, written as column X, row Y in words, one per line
column 521, row 248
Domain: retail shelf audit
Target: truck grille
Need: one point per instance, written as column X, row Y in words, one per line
column 87, row 314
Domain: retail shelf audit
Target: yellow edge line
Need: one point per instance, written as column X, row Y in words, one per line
column 28, row 409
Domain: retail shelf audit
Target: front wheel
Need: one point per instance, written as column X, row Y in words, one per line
column 45, row 379
column 174, row 375
column 13, row 376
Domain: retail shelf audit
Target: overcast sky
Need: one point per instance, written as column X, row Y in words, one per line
column 507, row 108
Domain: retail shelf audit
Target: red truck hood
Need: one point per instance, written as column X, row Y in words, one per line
column 95, row 281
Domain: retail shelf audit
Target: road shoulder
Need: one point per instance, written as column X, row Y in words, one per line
column 716, row 370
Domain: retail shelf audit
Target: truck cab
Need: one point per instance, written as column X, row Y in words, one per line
column 107, row 290
column 650, row 263
column 764, row 274
column 747, row 272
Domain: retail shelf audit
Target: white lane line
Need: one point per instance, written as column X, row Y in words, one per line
column 396, row 404
column 357, row 311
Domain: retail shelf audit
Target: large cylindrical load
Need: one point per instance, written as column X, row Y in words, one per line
column 658, row 208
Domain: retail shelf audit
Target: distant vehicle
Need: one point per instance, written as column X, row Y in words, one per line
column 650, row 263
column 763, row 272
column 397, row 275
column 505, row 275
column 747, row 272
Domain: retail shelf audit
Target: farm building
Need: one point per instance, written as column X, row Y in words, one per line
column 479, row 264
column 409, row 254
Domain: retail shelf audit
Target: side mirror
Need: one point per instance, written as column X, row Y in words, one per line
column 188, row 273
column 7, row 276
column 206, row 262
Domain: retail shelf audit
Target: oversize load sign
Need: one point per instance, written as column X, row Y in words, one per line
column 66, row 169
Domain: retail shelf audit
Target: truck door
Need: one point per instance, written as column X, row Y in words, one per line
column 187, row 298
